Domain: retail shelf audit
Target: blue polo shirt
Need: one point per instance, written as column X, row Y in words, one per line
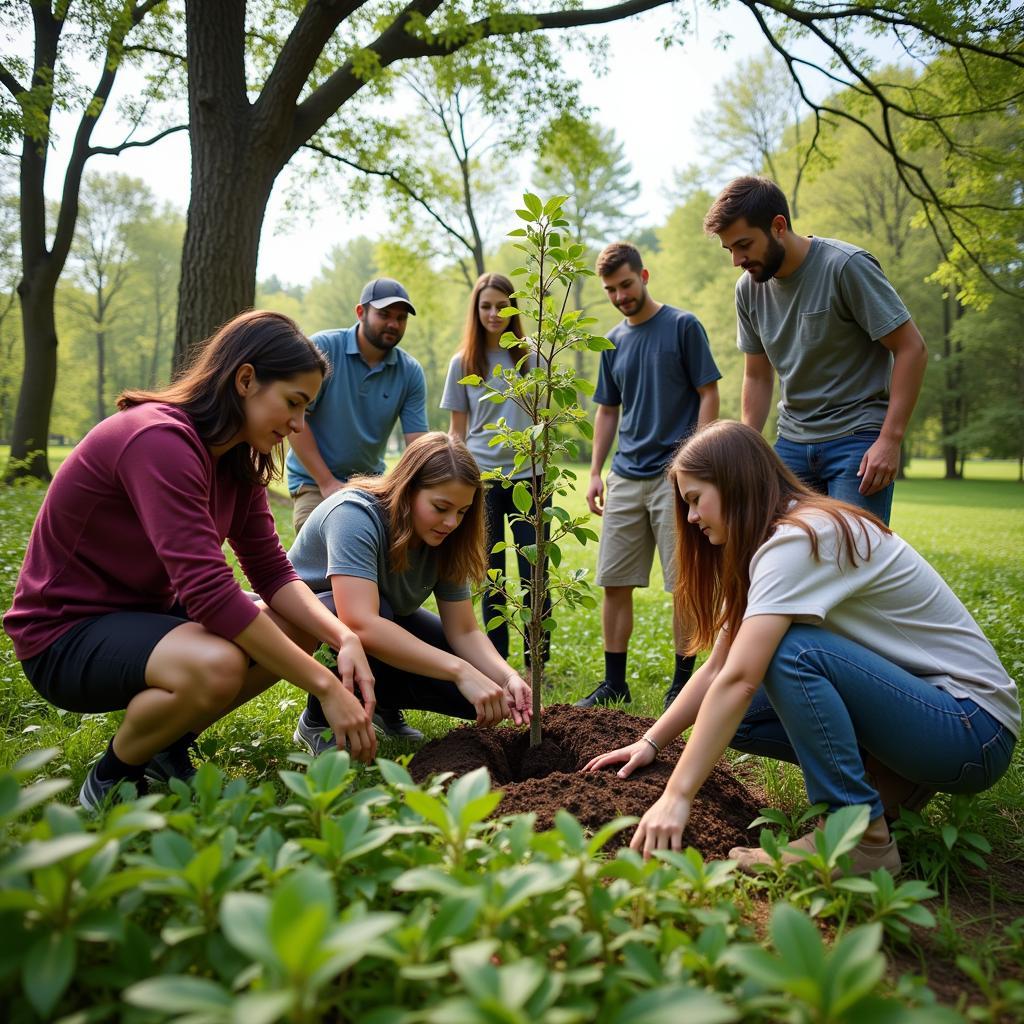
column 355, row 411
column 653, row 373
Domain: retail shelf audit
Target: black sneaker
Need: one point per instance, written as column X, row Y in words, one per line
column 673, row 691
column 96, row 793
column 391, row 722
column 605, row 694
column 172, row 763
column 311, row 736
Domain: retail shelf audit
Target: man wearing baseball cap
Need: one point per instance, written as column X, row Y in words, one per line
column 372, row 385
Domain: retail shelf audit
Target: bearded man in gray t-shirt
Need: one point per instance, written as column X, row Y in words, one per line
column 821, row 314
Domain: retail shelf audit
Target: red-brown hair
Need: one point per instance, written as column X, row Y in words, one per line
column 429, row 461
column 757, row 493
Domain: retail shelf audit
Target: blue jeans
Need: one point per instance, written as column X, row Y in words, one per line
column 830, row 467
column 827, row 701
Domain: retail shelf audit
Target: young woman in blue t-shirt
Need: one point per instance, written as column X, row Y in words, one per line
column 375, row 552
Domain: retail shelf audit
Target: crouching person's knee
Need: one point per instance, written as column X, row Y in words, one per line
column 218, row 674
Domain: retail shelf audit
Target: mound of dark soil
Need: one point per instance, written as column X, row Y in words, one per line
column 546, row 778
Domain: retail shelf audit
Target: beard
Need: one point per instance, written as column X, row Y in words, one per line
column 627, row 307
column 773, row 257
column 379, row 340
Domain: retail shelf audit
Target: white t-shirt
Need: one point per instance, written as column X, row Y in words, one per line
column 893, row 603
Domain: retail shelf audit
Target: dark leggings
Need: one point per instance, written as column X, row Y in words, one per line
column 499, row 506
column 397, row 689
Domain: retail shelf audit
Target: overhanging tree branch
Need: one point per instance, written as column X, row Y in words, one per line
column 10, row 83
column 127, row 144
column 398, row 43
column 399, row 182
column 942, row 216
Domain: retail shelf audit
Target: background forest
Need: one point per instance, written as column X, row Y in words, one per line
column 445, row 176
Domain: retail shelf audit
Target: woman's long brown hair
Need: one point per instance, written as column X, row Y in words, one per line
column 473, row 350
column 277, row 350
column 432, row 460
column 758, row 493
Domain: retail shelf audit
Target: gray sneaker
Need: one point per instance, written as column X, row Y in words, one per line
column 173, row 763
column 391, row 722
column 97, row 793
column 315, row 738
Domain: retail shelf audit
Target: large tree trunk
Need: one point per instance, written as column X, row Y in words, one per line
column 952, row 397
column 236, row 155
column 101, row 375
column 218, row 259
column 39, row 377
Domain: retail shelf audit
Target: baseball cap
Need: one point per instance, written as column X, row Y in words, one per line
column 384, row 291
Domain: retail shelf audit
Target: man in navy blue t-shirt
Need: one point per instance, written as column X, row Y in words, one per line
column 662, row 377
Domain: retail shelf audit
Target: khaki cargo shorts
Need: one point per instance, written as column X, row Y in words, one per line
column 639, row 515
column 304, row 500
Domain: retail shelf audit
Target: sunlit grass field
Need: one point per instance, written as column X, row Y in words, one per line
column 972, row 531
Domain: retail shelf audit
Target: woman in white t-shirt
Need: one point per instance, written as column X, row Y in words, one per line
column 479, row 354
column 849, row 656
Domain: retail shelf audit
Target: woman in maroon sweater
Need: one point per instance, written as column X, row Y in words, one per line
column 125, row 599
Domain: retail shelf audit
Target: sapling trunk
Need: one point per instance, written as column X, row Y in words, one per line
column 548, row 392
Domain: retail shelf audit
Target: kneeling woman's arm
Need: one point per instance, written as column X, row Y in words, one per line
column 676, row 719
column 721, row 711
column 471, row 644
column 275, row 651
column 357, row 602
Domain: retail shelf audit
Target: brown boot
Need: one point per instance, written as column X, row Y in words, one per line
column 895, row 791
column 864, row 857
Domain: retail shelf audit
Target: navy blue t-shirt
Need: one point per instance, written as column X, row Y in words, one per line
column 653, row 373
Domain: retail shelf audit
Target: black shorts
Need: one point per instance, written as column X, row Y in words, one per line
column 100, row 663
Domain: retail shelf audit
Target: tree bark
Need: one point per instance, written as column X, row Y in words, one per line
column 30, row 432
column 236, row 156
column 952, row 398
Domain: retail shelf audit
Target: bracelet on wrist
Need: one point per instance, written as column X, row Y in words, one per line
column 647, row 739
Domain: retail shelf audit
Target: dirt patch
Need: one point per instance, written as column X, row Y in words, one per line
column 547, row 778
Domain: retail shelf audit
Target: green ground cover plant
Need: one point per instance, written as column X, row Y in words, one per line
column 284, row 890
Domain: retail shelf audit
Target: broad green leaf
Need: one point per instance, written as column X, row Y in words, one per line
column 673, row 1004
column 428, row 880
column 47, row 971
column 245, row 918
column 37, row 793
column 844, row 828
column 30, row 763
column 798, row 941
column 262, row 1007
column 349, row 942
column 40, row 853
column 299, row 913
column 855, row 967
column 393, row 773
column 178, row 993
column 430, row 808
column 479, row 809
column 522, row 498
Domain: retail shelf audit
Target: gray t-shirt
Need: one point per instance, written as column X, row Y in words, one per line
column 346, row 535
column 653, row 373
column 894, row 604
column 819, row 328
column 466, row 398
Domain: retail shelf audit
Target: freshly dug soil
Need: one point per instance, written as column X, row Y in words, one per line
column 547, row 777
